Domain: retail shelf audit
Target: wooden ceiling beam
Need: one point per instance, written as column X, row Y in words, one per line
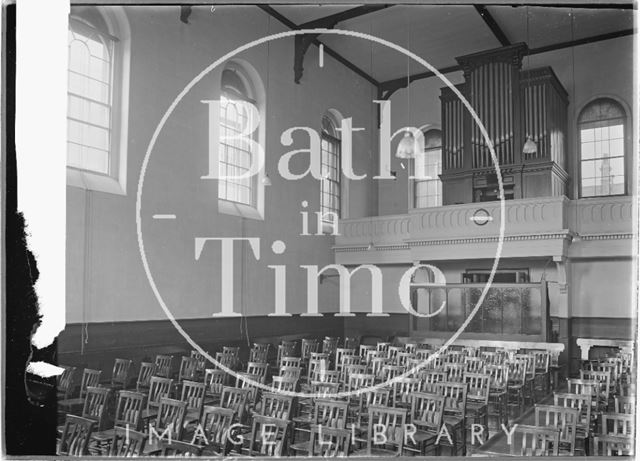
column 493, row 25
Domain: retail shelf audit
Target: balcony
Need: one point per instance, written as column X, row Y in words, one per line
column 537, row 227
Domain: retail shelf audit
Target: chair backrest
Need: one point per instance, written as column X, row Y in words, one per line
column 90, row 378
column 127, row 443
column 351, row 343
column 158, row 388
column 215, row 380
column 96, row 401
column 624, row 405
column 268, row 436
column 315, row 366
column 227, row 359
column 329, row 346
column 235, row 399
column 517, row 371
column 308, row 346
column 348, row 370
column 188, row 369
column 562, row 418
column 541, row 360
column 473, row 364
column 147, row 370
column 454, row 357
column 201, row 359
column 258, row 368
column 330, row 413
column 534, row 441
column 383, row 347
column 430, row 380
column 326, row 376
column 455, row 398
column 392, row 421
column 391, row 371
column 403, row 390
column 65, row 381
column 359, row 380
column 376, row 364
column 341, row 352
column 492, row 357
column 393, row 351
column 284, row 383
column 617, row 424
column 498, row 376
column 364, row 348
column 170, row 417
column 120, row 373
column 163, row 365
column 193, row 394
column 584, row 386
column 329, row 442
column 455, row 371
column 323, row 389
column 129, row 409
column 216, row 423
column 232, row 350
column 76, row 435
column 379, row 397
column 290, row 372
column 580, row 402
column 478, row 387
column 427, row 411
column 613, row 445
column 285, row 350
column 247, row 381
column 603, row 377
column 275, row 405
column 259, row 355
column 411, row 348
column 290, row 362
column 403, row 358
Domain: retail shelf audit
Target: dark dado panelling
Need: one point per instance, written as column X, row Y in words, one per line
column 372, row 328
column 143, row 340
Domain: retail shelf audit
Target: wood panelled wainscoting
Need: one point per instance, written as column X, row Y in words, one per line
column 142, row 340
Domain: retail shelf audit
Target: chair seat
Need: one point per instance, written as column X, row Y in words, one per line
column 423, row 437
column 452, row 420
column 300, row 446
column 103, row 436
column 148, row 414
column 476, row 407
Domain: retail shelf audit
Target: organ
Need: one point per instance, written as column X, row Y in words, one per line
column 512, row 104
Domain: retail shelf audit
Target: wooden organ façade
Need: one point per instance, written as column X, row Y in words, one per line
column 512, row 104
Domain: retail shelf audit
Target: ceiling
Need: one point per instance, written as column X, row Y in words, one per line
column 439, row 33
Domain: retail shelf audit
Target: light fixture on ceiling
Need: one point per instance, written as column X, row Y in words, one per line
column 530, row 147
column 407, row 145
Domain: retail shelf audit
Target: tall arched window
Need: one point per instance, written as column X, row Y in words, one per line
column 330, row 186
column 237, row 97
column 427, row 187
column 601, row 130
column 98, row 77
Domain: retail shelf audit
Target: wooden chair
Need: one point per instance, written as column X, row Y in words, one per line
column 529, row 389
column 581, row 403
column 534, row 441
column 65, row 382
column 284, row 383
column 411, row 348
column 259, row 352
column 392, row 352
column 376, row 365
column 188, row 370
column 329, row 345
column 228, row 359
column 159, row 388
column 96, row 406
column 427, row 411
column 624, row 405
column 291, row 362
column 391, row 441
column 604, row 379
column 216, row 423
column 613, row 445
column 76, row 434
column 120, row 373
column 619, row 424
column 363, row 349
column 291, row 372
column 193, row 394
column 357, row 381
column 329, row 442
column 455, row 372
column 431, row 379
column 268, row 437
column 129, row 409
column 284, row 350
column 588, row 387
column 127, row 443
column 307, row 347
column 403, row 391
column 383, row 347
column 390, row 372
column 403, row 359
column 201, row 360
column 454, row 357
column 477, row 410
column 346, row 361
column 351, row 343
column 379, row 397
column 90, row 378
column 147, row 370
column 259, row 369
column 542, row 379
column 354, row 369
column 340, row 352
column 517, row 373
column 235, row 399
column 248, row 381
column 562, row 418
column 163, row 366
column 275, row 406
column 326, row 413
column 473, row 365
column 170, row 418
column 455, row 404
column 214, row 380
column 498, row 381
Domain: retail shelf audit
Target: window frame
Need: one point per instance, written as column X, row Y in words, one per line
column 115, row 182
column 337, row 143
column 257, row 96
column 412, row 171
column 626, row 123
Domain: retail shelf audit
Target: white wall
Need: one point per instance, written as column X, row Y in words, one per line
column 105, row 277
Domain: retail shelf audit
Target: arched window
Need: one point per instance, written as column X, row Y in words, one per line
column 601, row 130
column 330, row 186
column 98, row 77
column 427, row 187
column 236, row 101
